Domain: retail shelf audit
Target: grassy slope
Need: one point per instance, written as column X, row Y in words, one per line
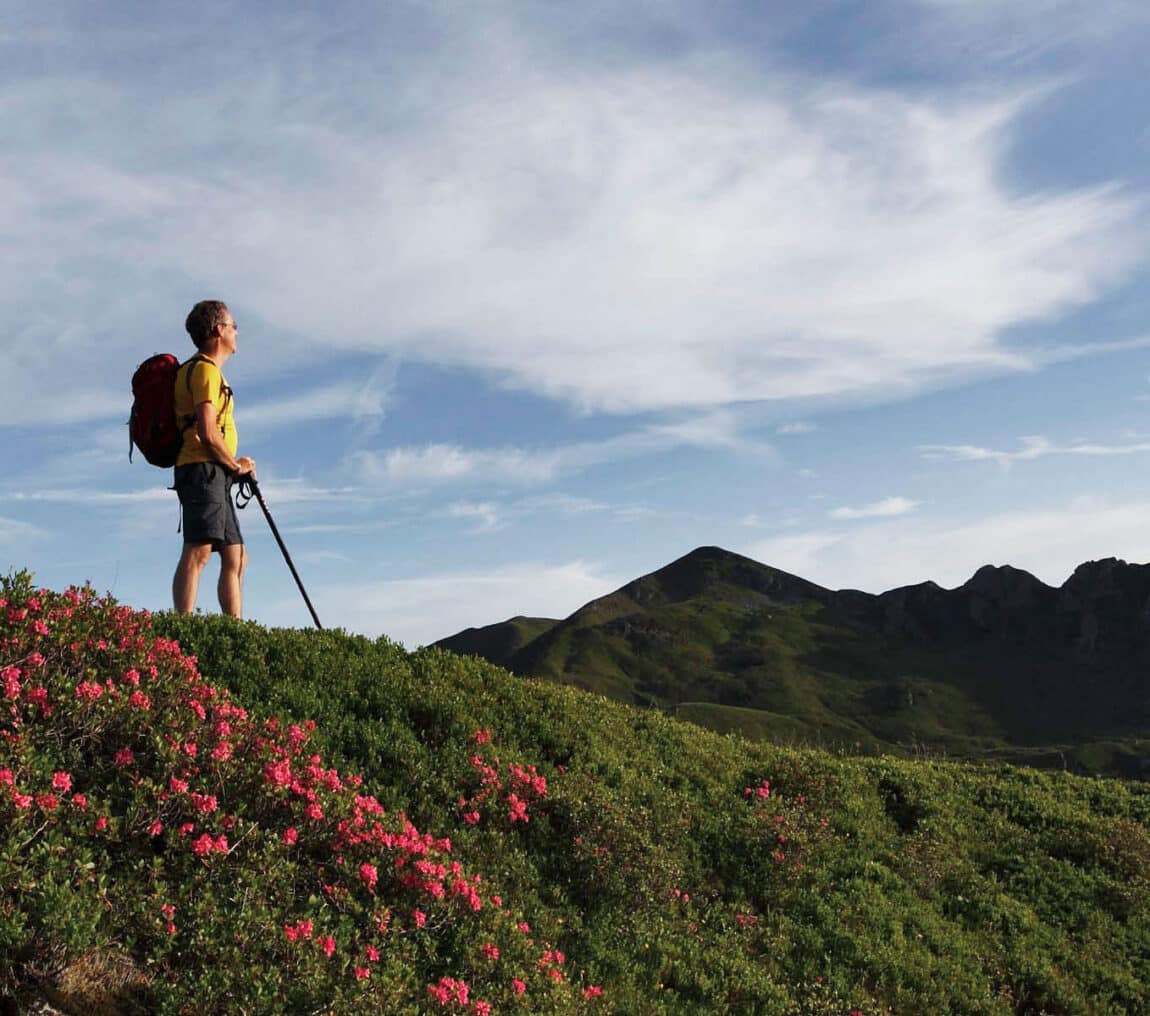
column 934, row 888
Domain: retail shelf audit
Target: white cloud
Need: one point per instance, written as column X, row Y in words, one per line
column 880, row 556
column 421, row 610
column 15, row 531
column 362, row 402
column 1032, row 448
column 718, row 429
column 885, row 508
column 282, row 491
column 565, row 504
column 665, row 235
column 324, row 556
column 647, row 202
column 485, row 513
column 798, row 427
column 65, row 496
column 292, row 490
column 448, row 463
column 1021, row 31
column 493, row 516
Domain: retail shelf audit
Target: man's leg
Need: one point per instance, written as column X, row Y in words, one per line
column 186, row 581
column 233, row 562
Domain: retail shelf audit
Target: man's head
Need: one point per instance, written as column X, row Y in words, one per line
column 208, row 320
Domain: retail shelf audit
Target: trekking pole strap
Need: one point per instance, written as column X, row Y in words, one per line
column 245, row 490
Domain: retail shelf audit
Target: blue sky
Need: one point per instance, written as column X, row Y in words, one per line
column 534, row 298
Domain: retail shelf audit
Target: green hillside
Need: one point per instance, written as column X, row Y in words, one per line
column 500, row 642
column 1003, row 668
column 175, row 837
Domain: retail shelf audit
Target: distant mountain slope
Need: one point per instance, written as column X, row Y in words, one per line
column 500, row 642
column 1004, row 665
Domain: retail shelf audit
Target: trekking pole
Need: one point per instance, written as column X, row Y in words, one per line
column 249, row 488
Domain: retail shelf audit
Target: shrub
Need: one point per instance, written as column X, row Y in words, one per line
column 141, row 806
column 203, row 855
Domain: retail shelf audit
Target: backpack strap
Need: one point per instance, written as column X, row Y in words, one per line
column 193, row 360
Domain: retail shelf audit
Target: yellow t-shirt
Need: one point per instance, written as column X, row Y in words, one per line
column 206, row 384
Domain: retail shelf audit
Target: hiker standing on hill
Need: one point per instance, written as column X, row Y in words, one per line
column 207, row 464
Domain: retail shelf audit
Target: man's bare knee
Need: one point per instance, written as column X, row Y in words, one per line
column 195, row 556
column 234, row 558
column 185, row 583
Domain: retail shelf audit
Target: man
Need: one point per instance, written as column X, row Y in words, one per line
column 207, row 464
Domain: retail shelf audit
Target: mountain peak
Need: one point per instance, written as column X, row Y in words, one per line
column 708, row 569
column 1108, row 577
column 1002, row 579
column 1092, row 571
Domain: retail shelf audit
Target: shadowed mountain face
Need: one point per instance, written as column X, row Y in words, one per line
column 1004, row 666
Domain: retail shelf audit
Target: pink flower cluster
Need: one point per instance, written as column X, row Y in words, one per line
column 46, row 801
column 10, row 676
column 524, row 786
column 204, row 845
column 791, row 826
column 299, row 930
column 551, row 963
column 215, row 783
column 450, row 992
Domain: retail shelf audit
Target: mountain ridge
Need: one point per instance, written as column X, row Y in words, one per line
column 1001, row 663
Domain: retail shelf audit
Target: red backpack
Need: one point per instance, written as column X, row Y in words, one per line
column 153, row 427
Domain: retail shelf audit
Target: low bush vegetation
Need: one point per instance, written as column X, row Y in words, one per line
column 204, row 815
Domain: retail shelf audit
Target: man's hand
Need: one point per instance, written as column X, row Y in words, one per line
column 245, row 466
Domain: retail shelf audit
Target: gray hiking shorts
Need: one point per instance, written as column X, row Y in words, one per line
column 209, row 514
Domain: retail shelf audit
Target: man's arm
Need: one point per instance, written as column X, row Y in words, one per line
column 208, row 431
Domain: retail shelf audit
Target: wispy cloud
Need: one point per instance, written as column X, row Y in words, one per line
column 493, row 515
column 437, row 463
column 16, row 531
column 449, row 463
column 1048, row 543
column 1022, row 33
column 282, row 491
column 657, row 246
column 324, row 556
column 484, row 513
column 571, row 233
column 418, row 611
column 568, row 504
column 798, row 427
column 885, row 508
column 66, row 496
column 292, row 490
column 363, row 402
column 1032, row 448
column 755, row 521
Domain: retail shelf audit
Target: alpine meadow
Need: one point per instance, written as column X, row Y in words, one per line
column 203, row 815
